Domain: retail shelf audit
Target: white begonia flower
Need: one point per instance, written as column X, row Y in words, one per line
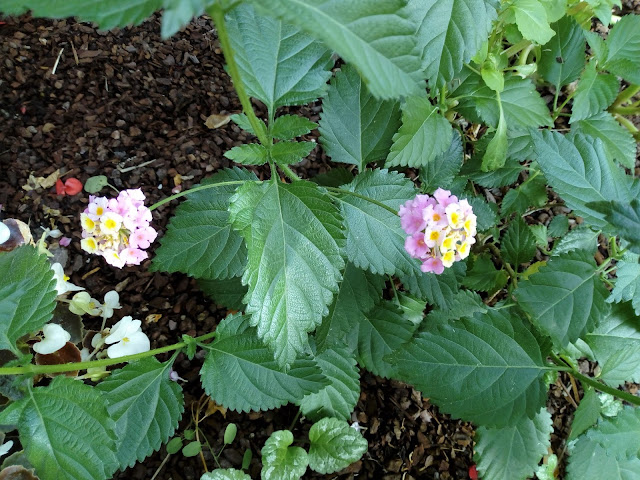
column 62, row 285
column 126, row 338
column 82, row 303
column 5, row 233
column 55, row 337
column 5, row 447
column 111, row 302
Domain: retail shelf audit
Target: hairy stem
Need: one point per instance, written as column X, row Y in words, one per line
column 217, row 14
column 197, row 189
column 626, row 396
column 291, row 175
column 596, row 384
column 106, row 362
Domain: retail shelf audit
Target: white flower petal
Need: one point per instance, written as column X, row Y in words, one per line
column 124, row 328
column 136, row 343
column 5, row 233
column 5, row 447
column 55, row 337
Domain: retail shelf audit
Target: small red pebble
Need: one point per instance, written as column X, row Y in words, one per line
column 473, row 472
column 72, row 186
column 23, row 109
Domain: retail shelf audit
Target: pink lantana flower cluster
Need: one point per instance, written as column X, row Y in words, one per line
column 118, row 228
column 441, row 229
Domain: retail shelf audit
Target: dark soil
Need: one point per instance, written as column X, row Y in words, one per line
column 130, row 106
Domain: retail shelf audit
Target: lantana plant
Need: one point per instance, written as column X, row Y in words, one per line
column 424, row 259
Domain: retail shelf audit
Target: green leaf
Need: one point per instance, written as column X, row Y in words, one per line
column 279, row 64
column 146, row 406
column 95, row 184
column 230, row 433
column 616, row 346
column 286, row 127
column 441, row 171
column 359, row 291
column 513, row 452
column 293, row 235
column 565, row 298
column 555, row 9
column 602, row 9
column 227, row 293
column 248, row 154
column 617, row 140
column 449, row 33
column 177, row 14
column 623, row 45
column 174, row 445
column 531, row 193
column 280, row 461
column 595, row 92
column 424, row 135
column 27, row 295
column 487, row 369
column 563, row 57
column 116, row 13
column 624, row 218
column 580, row 172
column 580, row 238
column 627, row 286
column 523, row 107
column 192, row 449
column 199, row 240
column 285, row 153
column 531, row 19
column 483, row 275
column 355, row 127
column 505, row 175
column 558, row 226
column 518, row 245
column 590, row 461
column 375, row 36
column 334, row 445
column 492, row 74
column 619, row 435
column 381, row 331
column 225, row 474
column 586, row 415
column 338, row 399
column 240, row 373
column 66, row 432
column 496, row 154
column 243, row 122
column 463, row 304
column 438, row 290
column 486, row 212
column 375, row 239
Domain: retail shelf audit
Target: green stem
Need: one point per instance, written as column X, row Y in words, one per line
column 557, row 112
column 625, row 110
column 628, row 124
column 363, row 197
column 524, row 56
column 196, row 189
column 217, row 14
column 513, row 49
column 625, row 95
column 106, row 362
column 289, row 173
column 596, row 384
column 507, row 266
column 606, row 388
